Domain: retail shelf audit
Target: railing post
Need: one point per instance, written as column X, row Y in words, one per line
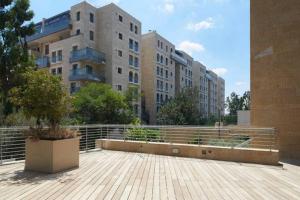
column 86, row 140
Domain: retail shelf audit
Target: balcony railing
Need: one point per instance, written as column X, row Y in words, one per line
column 84, row 74
column 12, row 140
column 87, row 54
column 42, row 62
column 52, row 25
column 179, row 59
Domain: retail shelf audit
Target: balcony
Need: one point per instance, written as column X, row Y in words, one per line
column 178, row 59
column 85, row 74
column 50, row 26
column 42, row 62
column 109, row 174
column 87, row 54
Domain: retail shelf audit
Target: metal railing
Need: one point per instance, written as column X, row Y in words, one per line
column 12, row 140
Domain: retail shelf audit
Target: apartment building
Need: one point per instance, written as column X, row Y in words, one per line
column 183, row 70
column 89, row 44
column 221, row 96
column 201, row 82
column 158, row 74
column 212, row 93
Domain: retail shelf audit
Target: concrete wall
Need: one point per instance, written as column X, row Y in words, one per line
column 275, row 71
column 243, row 118
column 195, row 151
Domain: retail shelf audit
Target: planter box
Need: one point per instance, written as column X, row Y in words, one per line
column 52, row 156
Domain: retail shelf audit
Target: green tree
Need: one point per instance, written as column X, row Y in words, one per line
column 181, row 110
column 234, row 103
column 99, row 103
column 42, row 97
column 15, row 25
column 246, row 100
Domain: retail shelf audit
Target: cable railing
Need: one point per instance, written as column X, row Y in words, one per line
column 12, row 139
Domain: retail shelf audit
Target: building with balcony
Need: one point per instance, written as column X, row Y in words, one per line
column 158, row 74
column 221, row 96
column 89, row 44
column 183, row 70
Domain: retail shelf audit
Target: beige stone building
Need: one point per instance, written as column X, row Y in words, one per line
column 212, row 93
column 158, row 74
column 275, row 71
column 221, row 96
column 89, row 44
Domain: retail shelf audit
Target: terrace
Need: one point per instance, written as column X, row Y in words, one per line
column 147, row 174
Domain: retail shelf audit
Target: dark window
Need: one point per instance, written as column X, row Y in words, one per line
column 74, row 68
column 161, row 72
column 53, row 71
column 130, row 44
column 161, row 59
column 157, row 97
column 46, row 49
column 135, row 29
column 167, row 87
column 136, row 62
column 89, row 69
column 157, row 70
column 91, row 35
column 167, row 74
column 136, row 78
column 119, row 70
column 157, row 57
column 136, row 46
column 77, row 31
column 158, row 43
column 130, row 78
column 167, row 48
column 53, row 59
column 167, row 61
column 120, row 53
column 59, row 55
column 92, row 17
column 120, row 18
column 72, row 88
column 171, row 50
column 78, row 16
column 75, row 48
column 130, row 60
column 120, row 36
column 131, row 26
column 119, row 87
column 59, row 70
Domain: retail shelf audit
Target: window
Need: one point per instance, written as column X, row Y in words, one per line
column 120, row 18
column 161, row 59
column 72, row 88
column 158, row 43
column 74, row 48
column 59, row 70
column 167, row 61
column 59, row 56
column 130, row 44
column 119, row 70
column 167, row 48
column 131, row 26
column 161, row 45
column 53, row 59
column 157, row 71
column 120, row 53
column 120, row 36
column 46, row 49
column 161, row 72
column 157, row 57
column 171, row 73
column 171, row 86
column 167, row 97
column 135, row 29
column 91, row 35
column 136, row 46
column 92, row 17
column 161, row 98
column 77, row 31
column 161, row 85
column 53, row 71
column 136, row 62
column 157, row 97
column 130, row 60
column 119, row 87
column 89, row 69
column 171, row 50
column 171, row 62
column 167, row 74
column 167, row 87
column 78, row 16
column 136, row 78
column 74, row 69
column 130, row 77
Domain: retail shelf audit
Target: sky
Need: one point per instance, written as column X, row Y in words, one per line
column 214, row 32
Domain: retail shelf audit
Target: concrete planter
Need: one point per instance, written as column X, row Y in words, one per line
column 52, row 156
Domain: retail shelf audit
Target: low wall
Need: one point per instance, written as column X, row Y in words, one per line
column 259, row 156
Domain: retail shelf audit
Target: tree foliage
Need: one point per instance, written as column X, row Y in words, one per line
column 99, row 103
column 42, row 97
column 181, row 110
column 15, row 25
column 234, row 102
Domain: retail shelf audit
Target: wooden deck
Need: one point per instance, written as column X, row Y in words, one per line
column 121, row 175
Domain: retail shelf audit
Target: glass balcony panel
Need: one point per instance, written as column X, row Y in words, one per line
column 42, row 62
column 85, row 74
column 87, row 54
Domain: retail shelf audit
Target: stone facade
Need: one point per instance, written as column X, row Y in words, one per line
column 275, row 71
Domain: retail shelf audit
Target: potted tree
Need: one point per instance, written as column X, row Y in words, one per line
column 49, row 148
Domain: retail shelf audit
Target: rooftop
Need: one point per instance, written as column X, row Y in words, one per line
column 116, row 174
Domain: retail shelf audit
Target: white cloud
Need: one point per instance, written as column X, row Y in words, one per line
column 190, row 47
column 220, row 71
column 99, row 3
column 240, row 83
column 202, row 25
column 167, row 7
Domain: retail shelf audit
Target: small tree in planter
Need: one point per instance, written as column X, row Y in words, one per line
column 43, row 97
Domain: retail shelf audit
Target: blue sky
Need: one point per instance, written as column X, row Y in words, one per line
column 214, row 32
